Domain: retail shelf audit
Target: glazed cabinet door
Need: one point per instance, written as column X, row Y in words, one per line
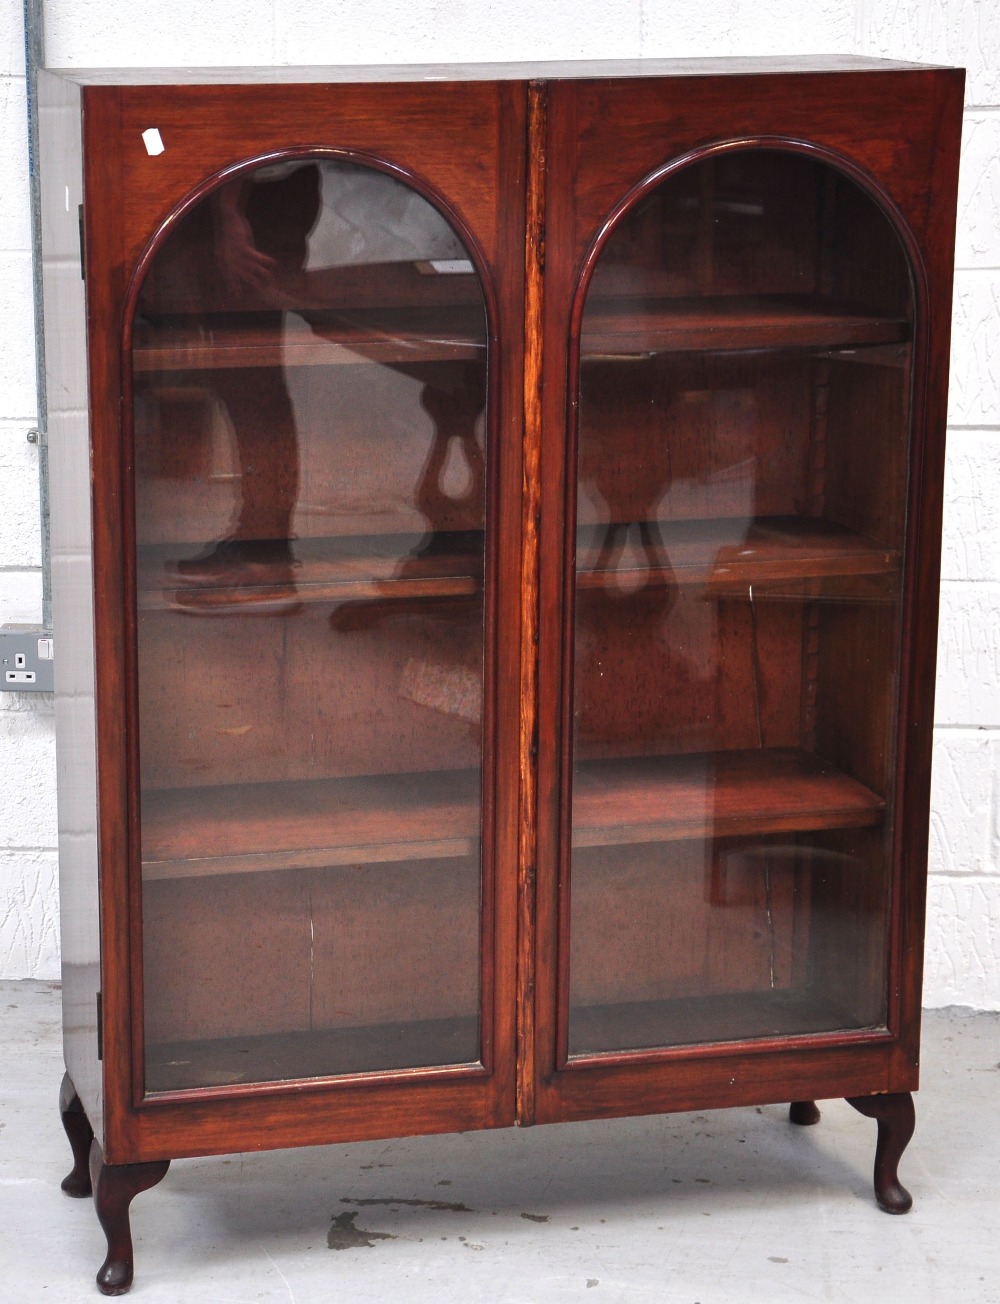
column 320, row 468
column 739, row 306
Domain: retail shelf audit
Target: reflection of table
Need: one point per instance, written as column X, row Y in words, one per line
column 454, row 397
column 429, row 327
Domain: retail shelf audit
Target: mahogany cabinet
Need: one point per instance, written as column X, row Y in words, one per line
column 496, row 525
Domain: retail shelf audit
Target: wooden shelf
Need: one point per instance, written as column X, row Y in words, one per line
column 641, row 326
column 725, row 555
column 316, row 1053
column 242, row 828
column 363, row 569
column 714, row 794
column 613, row 327
column 691, row 1021
column 245, row 828
column 397, row 338
column 720, row 555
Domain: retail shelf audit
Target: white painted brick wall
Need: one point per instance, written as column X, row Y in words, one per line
column 29, row 944
column 971, row 544
column 963, row 32
column 964, row 830
column 964, row 915
column 974, row 397
column 963, row 942
column 406, row 31
column 978, row 234
column 30, row 802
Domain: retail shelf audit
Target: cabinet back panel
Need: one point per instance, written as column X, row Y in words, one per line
column 225, row 955
column 396, row 943
column 242, row 699
column 740, row 224
column 857, row 679
column 866, row 262
column 671, row 670
column 310, row 951
column 851, row 893
column 867, row 434
column 675, row 437
column 685, row 942
column 663, row 922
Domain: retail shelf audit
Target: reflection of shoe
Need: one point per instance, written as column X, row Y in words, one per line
column 442, row 568
column 228, row 558
column 270, row 600
column 251, row 576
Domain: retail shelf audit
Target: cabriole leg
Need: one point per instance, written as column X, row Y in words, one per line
column 77, row 1182
column 115, row 1187
column 896, row 1119
column 803, row 1112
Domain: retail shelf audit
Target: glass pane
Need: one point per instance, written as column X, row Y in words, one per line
column 743, row 424
column 310, row 391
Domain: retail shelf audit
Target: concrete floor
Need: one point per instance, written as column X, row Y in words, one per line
column 730, row 1206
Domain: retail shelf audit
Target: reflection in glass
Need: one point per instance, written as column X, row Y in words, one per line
column 309, row 371
column 743, row 416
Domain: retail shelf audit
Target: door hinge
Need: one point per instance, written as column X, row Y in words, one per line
column 100, row 1027
column 83, row 256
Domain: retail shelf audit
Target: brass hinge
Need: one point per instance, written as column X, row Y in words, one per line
column 100, row 1028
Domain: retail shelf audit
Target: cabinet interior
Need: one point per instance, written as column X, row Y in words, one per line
column 312, row 514
column 310, row 377
column 737, row 490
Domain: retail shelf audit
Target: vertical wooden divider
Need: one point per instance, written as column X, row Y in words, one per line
column 534, row 268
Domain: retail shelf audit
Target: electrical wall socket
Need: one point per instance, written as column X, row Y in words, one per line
column 25, row 659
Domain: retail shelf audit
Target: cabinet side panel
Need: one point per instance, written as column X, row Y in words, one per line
column 920, row 615
column 72, row 583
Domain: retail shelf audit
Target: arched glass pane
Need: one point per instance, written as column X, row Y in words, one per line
column 743, row 426
column 309, row 370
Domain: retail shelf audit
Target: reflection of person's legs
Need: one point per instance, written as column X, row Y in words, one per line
column 280, row 212
column 271, row 220
column 263, row 419
column 260, row 409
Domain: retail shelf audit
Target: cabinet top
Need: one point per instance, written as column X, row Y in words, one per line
column 596, row 69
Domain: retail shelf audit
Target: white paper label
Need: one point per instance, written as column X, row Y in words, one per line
column 153, row 141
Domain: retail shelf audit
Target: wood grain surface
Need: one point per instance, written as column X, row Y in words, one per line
column 387, row 817
column 760, row 372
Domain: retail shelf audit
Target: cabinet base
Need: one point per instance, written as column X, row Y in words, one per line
column 115, row 1187
column 77, row 1126
column 896, row 1120
column 803, row 1113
